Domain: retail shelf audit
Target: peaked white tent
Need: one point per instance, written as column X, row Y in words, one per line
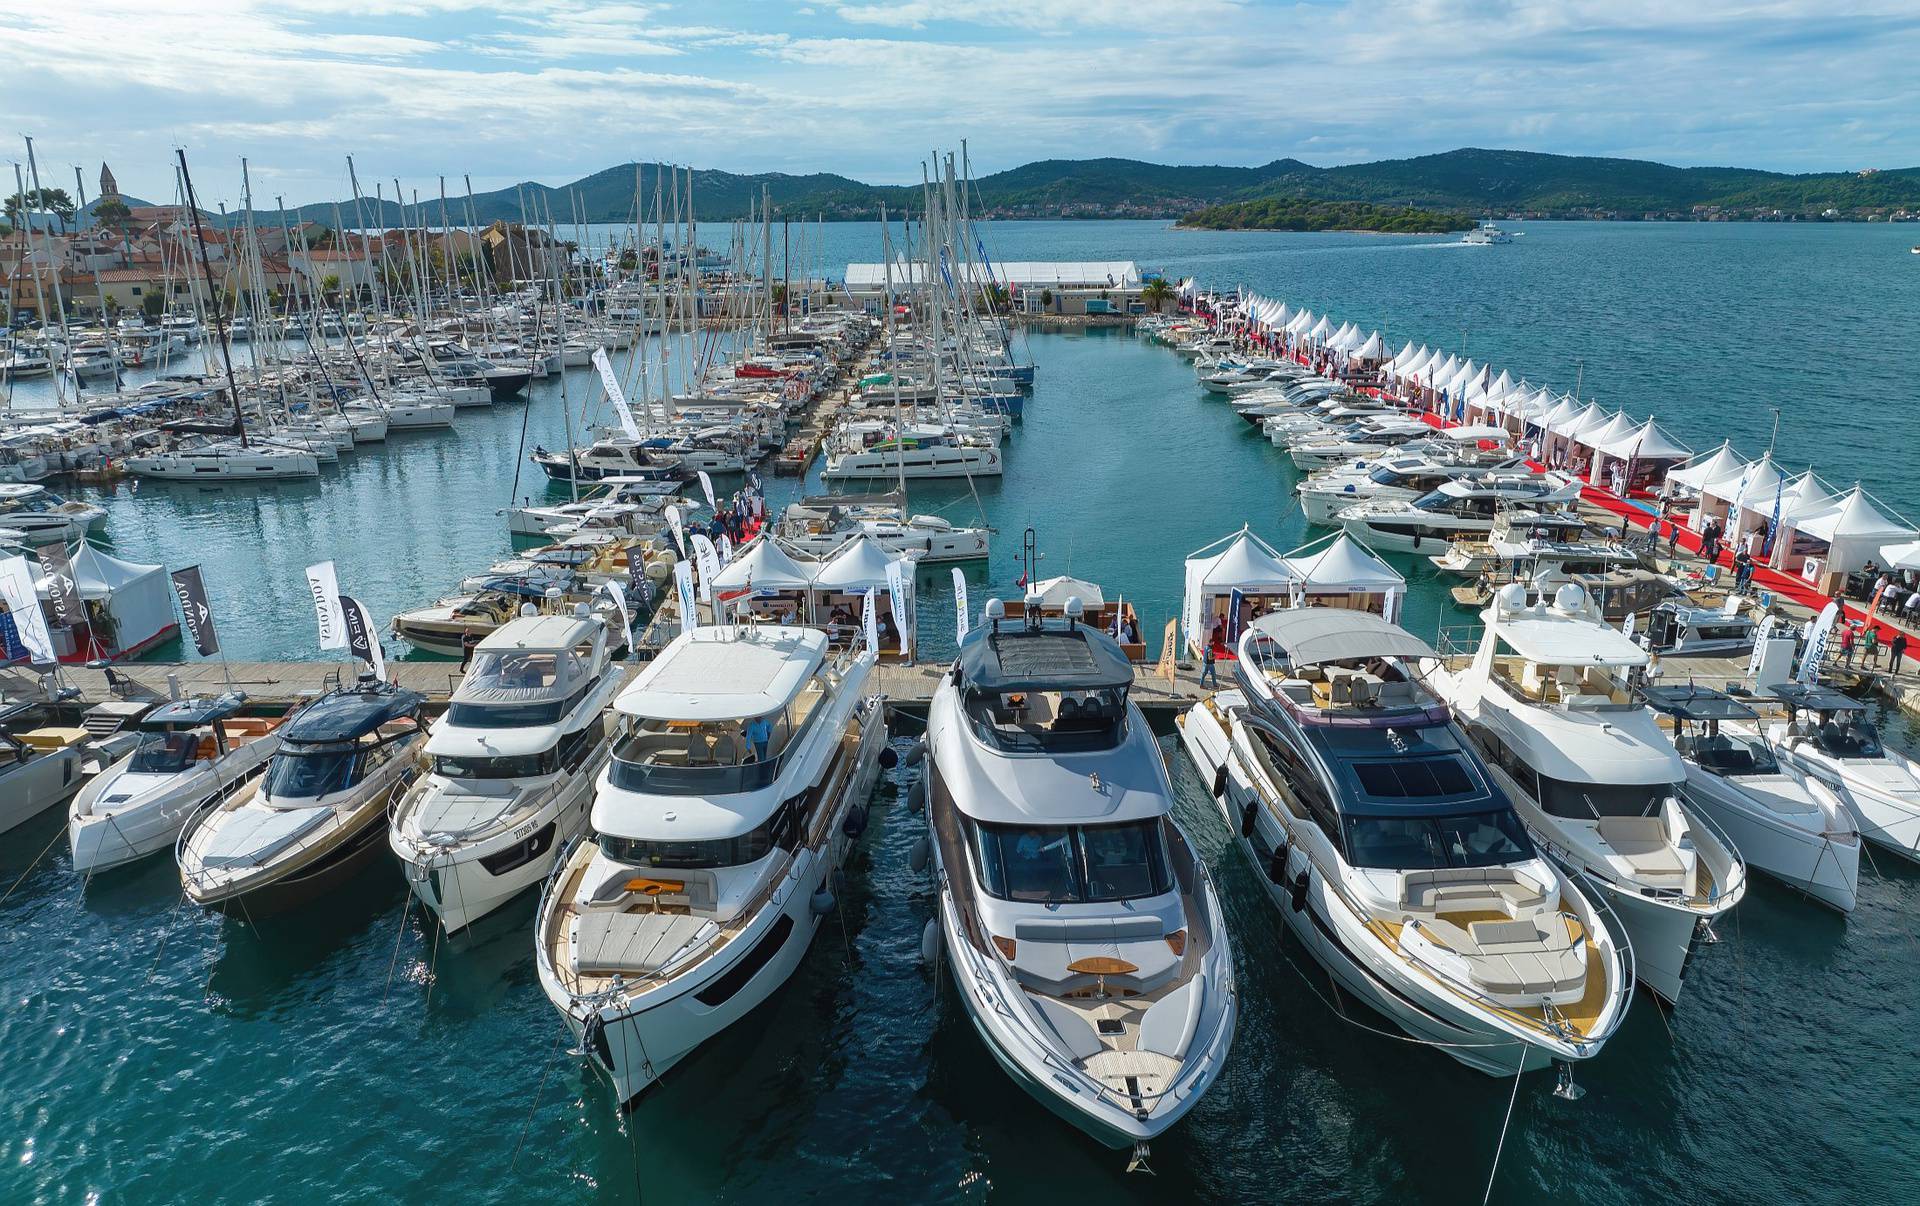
column 1696, row 474
column 1854, row 533
column 1240, row 564
column 1642, row 453
column 129, row 607
column 1054, row 592
column 1372, row 350
column 777, row 584
column 839, row 583
column 1342, row 572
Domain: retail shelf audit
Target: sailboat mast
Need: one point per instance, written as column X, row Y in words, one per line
column 219, row 311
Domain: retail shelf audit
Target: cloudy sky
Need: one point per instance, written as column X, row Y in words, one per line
column 554, row 89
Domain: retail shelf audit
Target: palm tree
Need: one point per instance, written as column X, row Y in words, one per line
column 1156, row 294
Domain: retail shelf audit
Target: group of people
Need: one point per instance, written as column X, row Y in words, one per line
column 1864, row 640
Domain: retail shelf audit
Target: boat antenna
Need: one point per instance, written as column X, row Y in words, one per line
column 213, row 298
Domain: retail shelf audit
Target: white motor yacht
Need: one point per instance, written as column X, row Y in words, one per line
column 1398, row 475
column 1392, row 856
column 1083, row 931
column 43, row 517
column 189, row 754
column 820, row 527
column 738, row 784
column 1596, row 780
column 1449, row 512
column 1828, row 737
column 1784, row 822
column 920, row 452
column 511, row 766
column 314, row 817
column 1366, row 437
column 40, row 765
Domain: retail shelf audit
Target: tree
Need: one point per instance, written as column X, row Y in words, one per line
column 112, row 212
column 995, row 296
column 153, row 304
column 43, row 200
column 1046, row 299
column 330, row 286
column 1156, row 294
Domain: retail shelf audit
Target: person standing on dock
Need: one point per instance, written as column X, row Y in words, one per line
column 1210, row 669
column 1846, row 646
column 1742, row 570
column 1896, row 652
column 1870, row 646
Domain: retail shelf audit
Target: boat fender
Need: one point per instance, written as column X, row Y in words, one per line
column 889, row 758
column 929, row 942
column 822, row 902
column 856, row 822
column 1220, row 781
column 1297, row 892
column 1277, row 864
column 1247, row 816
column 922, row 854
column 917, row 795
column 917, row 752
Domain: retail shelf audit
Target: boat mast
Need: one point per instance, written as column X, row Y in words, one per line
column 219, row 311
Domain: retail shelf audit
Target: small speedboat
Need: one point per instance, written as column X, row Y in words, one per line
column 1828, row 736
column 188, row 755
column 40, row 765
column 314, row 818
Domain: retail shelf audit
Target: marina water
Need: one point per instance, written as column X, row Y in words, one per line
column 153, row 1053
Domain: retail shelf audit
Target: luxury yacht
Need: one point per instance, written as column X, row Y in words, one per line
column 1083, row 931
column 919, row 452
column 1400, row 474
column 1451, row 511
column 40, row 765
column 1828, row 736
column 820, row 527
column 314, row 818
column 1784, row 822
column 42, row 517
column 614, row 456
column 1391, row 854
column 738, row 784
column 224, row 461
column 1596, row 780
column 188, row 755
column 511, row 766
column 1366, row 437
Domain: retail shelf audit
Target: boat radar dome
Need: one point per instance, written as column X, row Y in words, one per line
column 1511, row 597
column 529, row 609
column 1570, row 599
column 1074, row 608
column 581, row 611
column 996, row 612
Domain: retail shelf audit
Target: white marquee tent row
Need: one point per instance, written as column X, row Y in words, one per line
column 1610, row 447
column 1819, row 529
column 765, row 581
column 1240, row 576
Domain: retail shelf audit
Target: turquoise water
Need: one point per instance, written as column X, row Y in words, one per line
column 152, row 1053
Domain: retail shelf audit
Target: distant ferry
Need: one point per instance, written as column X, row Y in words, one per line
column 1485, row 235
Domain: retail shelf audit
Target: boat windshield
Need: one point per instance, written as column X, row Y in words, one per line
column 513, row 766
column 506, row 715
column 1727, row 754
column 1031, row 722
column 1418, row 843
column 1591, row 801
column 309, row 772
column 1078, row 864
column 1855, row 740
column 164, row 753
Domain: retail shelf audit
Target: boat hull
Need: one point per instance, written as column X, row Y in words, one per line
column 460, row 887
column 1825, row 867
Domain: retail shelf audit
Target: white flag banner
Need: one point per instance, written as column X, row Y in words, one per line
column 612, row 384
column 619, row 596
column 726, row 551
column 679, row 534
column 960, row 610
column 703, row 552
column 325, row 588
column 16, row 587
column 683, row 581
column 1817, row 638
column 870, row 620
column 706, row 483
column 897, row 588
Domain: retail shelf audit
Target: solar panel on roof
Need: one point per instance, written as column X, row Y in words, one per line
column 1042, row 655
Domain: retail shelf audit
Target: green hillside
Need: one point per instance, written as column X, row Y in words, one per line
column 1294, row 213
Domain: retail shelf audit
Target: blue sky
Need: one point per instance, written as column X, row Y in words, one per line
column 554, row 89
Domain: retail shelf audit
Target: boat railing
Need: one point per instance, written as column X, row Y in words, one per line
column 1457, row 642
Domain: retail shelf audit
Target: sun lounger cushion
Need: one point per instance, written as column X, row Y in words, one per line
column 634, row 943
column 1641, row 842
column 1070, row 1026
column 1169, row 1025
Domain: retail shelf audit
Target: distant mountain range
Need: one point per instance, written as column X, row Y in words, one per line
column 1469, row 181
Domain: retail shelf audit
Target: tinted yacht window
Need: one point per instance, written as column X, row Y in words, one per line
column 1480, row 839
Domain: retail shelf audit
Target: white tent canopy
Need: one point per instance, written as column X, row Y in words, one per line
column 1699, row 473
column 764, row 565
column 1645, row 443
column 861, row 565
column 1054, row 592
column 1901, row 556
column 1346, row 567
column 1240, row 562
column 137, row 601
column 1373, row 349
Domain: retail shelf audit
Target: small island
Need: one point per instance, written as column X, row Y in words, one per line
column 1300, row 214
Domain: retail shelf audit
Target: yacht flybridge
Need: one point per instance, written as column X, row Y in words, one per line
column 1083, row 930
column 738, row 783
column 511, row 766
column 1598, row 783
column 1392, row 855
